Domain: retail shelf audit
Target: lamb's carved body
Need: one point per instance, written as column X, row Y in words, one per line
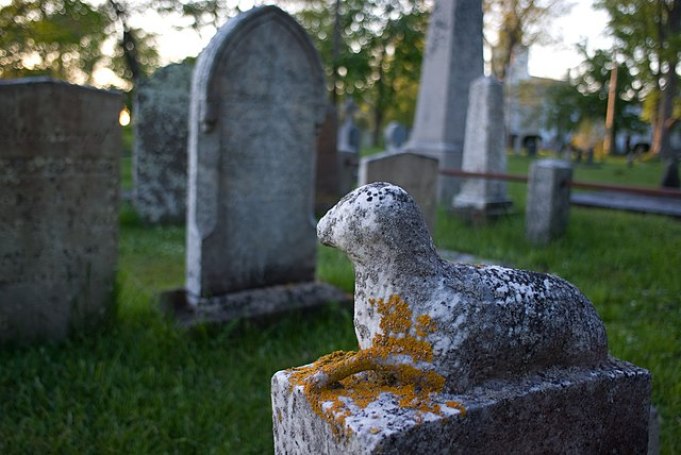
column 488, row 322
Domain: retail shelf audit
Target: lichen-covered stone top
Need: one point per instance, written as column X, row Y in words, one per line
column 419, row 318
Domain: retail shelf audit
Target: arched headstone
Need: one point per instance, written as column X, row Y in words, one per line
column 258, row 98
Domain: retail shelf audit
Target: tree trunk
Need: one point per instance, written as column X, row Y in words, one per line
column 665, row 120
column 128, row 42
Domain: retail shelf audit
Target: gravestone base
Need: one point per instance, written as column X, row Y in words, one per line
column 481, row 215
column 189, row 311
column 598, row 410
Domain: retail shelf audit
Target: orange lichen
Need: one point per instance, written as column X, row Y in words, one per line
column 411, row 386
column 457, row 405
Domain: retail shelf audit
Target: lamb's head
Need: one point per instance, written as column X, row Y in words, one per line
column 375, row 220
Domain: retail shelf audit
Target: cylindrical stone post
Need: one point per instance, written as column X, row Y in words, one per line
column 548, row 200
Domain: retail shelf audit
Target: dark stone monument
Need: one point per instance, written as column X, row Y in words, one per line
column 60, row 147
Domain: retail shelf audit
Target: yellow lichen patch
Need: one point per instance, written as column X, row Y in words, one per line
column 333, row 378
column 456, row 405
column 424, row 325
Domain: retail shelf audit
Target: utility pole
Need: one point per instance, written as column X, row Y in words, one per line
column 609, row 142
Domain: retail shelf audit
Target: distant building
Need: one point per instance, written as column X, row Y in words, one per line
column 526, row 107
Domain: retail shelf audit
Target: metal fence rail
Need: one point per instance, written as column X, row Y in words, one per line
column 643, row 191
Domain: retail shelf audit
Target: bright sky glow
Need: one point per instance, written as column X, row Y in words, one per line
column 582, row 23
column 552, row 61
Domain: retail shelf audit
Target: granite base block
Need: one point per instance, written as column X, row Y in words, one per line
column 248, row 303
column 585, row 411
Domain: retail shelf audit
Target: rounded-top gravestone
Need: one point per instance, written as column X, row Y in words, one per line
column 258, row 98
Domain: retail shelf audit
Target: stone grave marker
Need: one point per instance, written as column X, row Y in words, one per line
column 455, row 358
column 258, row 99
column 60, row 147
column 161, row 117
column 414, row 172
column 547, row 210
column 395, row 135
column 451, row 62
column 484, row 152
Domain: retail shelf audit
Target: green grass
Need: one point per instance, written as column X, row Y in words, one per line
column 143, row 386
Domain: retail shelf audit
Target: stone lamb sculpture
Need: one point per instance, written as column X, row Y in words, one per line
column 463, row 324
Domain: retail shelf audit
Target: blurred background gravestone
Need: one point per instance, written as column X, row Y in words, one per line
column 414, row 172
column 452, row 60
column 547, row 210
column 60, row 148
column 327, row 182
column 160, row 147
column 257, row 101
column 395, row 135
column 349, row 138
column 484, row 152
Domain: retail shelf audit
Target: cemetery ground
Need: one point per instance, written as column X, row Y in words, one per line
column 144, row 386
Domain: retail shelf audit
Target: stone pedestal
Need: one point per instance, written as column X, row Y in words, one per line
column 586, row 411
column 548, row 200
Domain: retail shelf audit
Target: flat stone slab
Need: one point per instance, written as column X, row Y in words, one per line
column 249, row 303
column 631, row 203
column 599, row 410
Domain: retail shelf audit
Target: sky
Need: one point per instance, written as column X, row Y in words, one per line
column 551, row 61
column 582, row 23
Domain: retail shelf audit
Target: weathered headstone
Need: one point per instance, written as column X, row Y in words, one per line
column 258, row 99
column 160, row 147
column 414, row 172
column 484, row 152
column 548, row 200
column 328, row 163
column 60, row 147
column 349, row 137
column 455, row 358
column 452, row 60
column 395, row 135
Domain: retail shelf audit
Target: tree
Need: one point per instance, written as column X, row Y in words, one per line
column 372, row 52
column 65, row 39
column 584, row 97
column 648, row 35
column 59, row 38
column 518, row 23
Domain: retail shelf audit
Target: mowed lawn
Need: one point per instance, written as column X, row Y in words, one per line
column 143, row 386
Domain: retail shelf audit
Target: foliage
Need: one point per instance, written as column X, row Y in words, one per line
column 65, row 39
column 144, row 386
column 648, row 37
column 583, row 99
column 371, row 51
column 58, row 38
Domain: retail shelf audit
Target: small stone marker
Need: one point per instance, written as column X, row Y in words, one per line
column 548, row 200
column 455, row 358
column 60, row 147
column 258, row 99
column 395, row 135
column 484, row 152
column 160, row 147
column 414, row 172
column 451, row 62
